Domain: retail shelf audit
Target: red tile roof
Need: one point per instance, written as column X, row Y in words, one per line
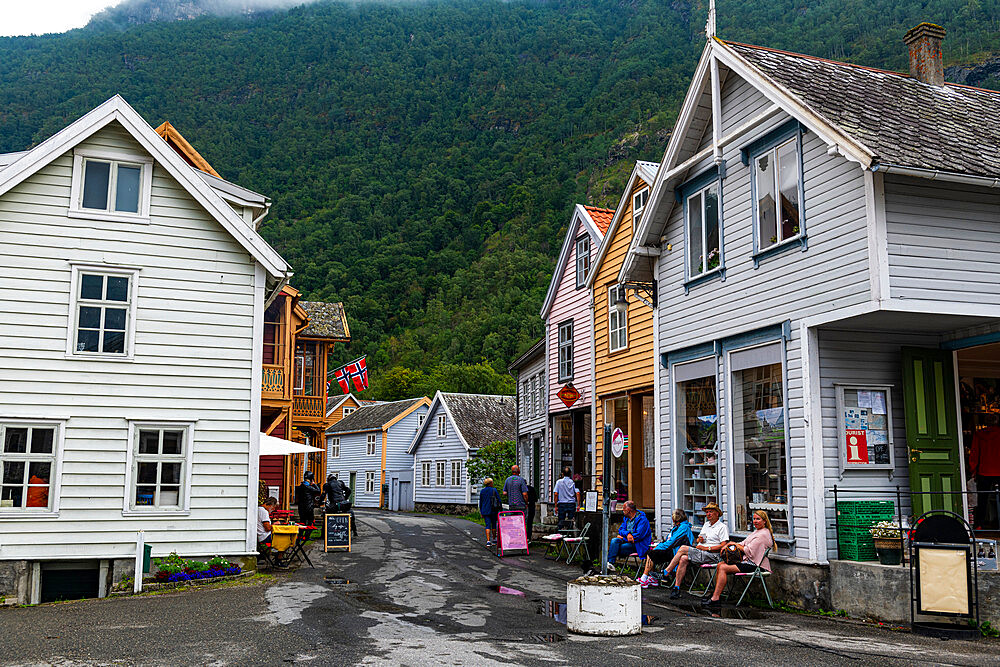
column 601, row 217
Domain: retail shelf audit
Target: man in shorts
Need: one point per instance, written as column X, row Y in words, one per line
column 706, row 549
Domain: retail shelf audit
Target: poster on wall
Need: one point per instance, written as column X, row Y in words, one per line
column 865, row 429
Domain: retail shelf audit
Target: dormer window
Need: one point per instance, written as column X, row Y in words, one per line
column 111, row 186
column 639, row 200
column 582, row 260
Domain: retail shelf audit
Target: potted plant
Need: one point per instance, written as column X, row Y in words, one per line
column 888, row 537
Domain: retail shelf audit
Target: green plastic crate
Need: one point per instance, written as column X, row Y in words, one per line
column 859, row 551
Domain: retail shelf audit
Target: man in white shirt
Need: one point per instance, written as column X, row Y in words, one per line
column 264, row 519
column 707, row 548
column 567, row 499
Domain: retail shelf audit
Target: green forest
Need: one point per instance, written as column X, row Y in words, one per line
column 424, row 157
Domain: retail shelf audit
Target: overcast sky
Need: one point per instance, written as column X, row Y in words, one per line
column 27, row 17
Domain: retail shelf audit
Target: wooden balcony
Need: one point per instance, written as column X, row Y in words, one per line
column 273, row 382
column 309, row 407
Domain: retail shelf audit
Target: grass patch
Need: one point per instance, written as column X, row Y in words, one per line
column 475, row 517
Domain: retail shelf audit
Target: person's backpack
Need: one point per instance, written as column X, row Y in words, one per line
column 495, row 504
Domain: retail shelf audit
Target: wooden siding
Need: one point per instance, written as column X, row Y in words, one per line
column 832, row 273
column 571, row 303
column 338, row 414
column 193, row 362
column 944, row 241
column 399, row 437
column 631, row 368
column 432, row 448
column 536, row 422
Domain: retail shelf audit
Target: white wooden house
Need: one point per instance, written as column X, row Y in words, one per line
column 849, row 332
column 133, row 287
column 456, row 426
column 367, row 449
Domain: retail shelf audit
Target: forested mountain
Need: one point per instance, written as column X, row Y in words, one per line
column 424, row 157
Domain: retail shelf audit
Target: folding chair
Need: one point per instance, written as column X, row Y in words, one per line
column 759, row 573
column 697, row 573
column 580, row 541
column 553, row 545
column 635, row 559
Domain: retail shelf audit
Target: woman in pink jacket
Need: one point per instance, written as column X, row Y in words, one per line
column 752, row 548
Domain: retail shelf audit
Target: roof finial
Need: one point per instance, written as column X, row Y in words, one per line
column 710, row 25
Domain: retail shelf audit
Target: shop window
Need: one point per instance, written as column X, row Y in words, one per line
column 776, row 180
column 563, row 428
column 759, row 438
column 616, row 414
column 160, row 459
column 648, row 432
column 698, row 435
column 27, row 466
column 704, row 250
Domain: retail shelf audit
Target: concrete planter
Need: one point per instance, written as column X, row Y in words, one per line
column 609, row 606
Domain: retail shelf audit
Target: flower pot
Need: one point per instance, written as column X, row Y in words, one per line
column 890, row 551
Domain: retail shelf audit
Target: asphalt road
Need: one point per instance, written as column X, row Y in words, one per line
column 423, row 590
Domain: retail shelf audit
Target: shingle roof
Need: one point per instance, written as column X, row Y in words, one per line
column 901, row 120
column 601, row 216
column 482, row 419
column 372, row 417
column 326, row 320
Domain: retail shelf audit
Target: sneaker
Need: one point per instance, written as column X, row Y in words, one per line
column 644, row 582
column 652, row 581
column 709, row 602
column 675, row 594
column 611, row 567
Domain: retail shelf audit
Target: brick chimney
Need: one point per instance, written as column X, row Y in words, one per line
column 925, row 53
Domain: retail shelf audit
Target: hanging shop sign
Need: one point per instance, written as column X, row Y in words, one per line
column 617, row 442
column 568, row 395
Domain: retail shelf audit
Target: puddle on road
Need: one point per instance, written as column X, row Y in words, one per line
column 556, row 610
column 334, row 580
column 503, row 590
column 547, row 638
column 374, row 602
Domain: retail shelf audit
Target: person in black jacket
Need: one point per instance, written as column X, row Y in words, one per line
column 333, row 494
column 305, row 497
column 348, row 507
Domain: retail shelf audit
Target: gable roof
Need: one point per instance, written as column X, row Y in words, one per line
column 479, row 419
column 899, row 119
column 177, row 141
column 643, row 170
column 117, row 109
column 582, row 215
column 334, row 402
column 326, row 320
column 376, row 417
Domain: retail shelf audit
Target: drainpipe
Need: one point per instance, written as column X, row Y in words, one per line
column 277, row 290
column 256, row 221
column 938, row 175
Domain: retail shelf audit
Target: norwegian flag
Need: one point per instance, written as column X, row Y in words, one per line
column 355, row 373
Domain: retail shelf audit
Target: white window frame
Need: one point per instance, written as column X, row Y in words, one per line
column 456, row 472
column 144, row 162
column 370, row 482
column 525, row 399
column 582, row 260
column 425, row 474
column 333, row 447
column 639, row 200
column 617, row 319
column 132, row 273
column 700, row 195
column 55, row 485
column 371, row 444
column 129, row 508
column 565, row 365
column 772, row 152
column 442, row 426
column 347, row 410
column 440, row 470
column 420, row 419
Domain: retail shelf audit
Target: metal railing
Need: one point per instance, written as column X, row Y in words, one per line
column 955, row 498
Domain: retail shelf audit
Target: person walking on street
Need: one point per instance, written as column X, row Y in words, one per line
column 489, row 509
column 348, row 507
column 305, row 497
column 566, row 496
column 515, row 488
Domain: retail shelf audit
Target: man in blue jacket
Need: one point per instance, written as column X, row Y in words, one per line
column 634, row 536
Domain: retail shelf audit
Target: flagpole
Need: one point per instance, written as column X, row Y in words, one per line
column 329, row 373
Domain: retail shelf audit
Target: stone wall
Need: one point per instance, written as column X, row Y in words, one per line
column 14, row 578
column 445, row 508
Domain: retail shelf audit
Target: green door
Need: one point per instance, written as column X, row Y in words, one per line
column 932, row 435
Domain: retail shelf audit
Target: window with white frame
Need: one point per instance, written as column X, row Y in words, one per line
column 639, row 200
column 526, row 399
column 440, row 472
column 102, row 312
column 333, row 447
column 704, row 251
column 425, row 473
column 582, row 260
column 456, row 473
column 372, row 444
column 617, row 318
column 159, row 468
column 776, row 181
column 536, row 395
column 27, row 467
column 370, row 481
column 420, row 420
column 111, row 185
column 347, row 410
column 566, row 351
column 442, row 426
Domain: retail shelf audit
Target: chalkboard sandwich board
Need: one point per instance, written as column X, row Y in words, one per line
column 337, row 532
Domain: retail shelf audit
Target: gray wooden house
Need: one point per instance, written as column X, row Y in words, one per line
column 457, row 425
column 823, row 239
column 531, row 417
